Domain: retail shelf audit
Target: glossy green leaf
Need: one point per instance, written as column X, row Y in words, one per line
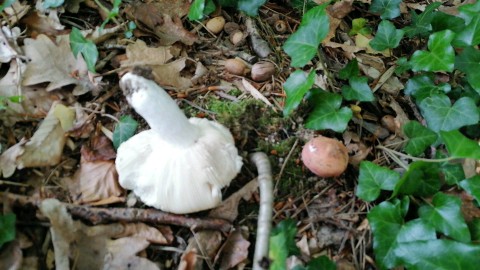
column 387, row 36
column 438, row 254
column 468, row 61
column 349, row 70
column 124, row 130
column 474, row 227
column 302, row 45
column 402, row 65
column 440, row 56
column 459, row 146
column 52, row 3
column 419, row 138
column 441, row 115
column 250, row 7
column 421, row 179
column 86, row 47
column 282, row 244
column 321, row 262
column 302, row 5
column 469, row 11
column 296, row 86
column 358, row 90
column 388, row 9
column 421, row 23
column 327, row 113
column 112, row 13
column 472, row 186
column 7, row 228
column 452, row 172
column 445, row 215
column 196, row 10
column 443, row 21
column 423, row 86
column 372, row 179
column 470, row 35
column 359, row 26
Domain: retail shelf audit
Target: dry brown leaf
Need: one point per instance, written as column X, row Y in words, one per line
column 56, row 64
column 153, row 235
column 165, row 74
column 255, row 93
column 163, row 19
column 188, row 260
column 16, row 11
column 336, row 13
column 11, row 256
column 42, row 24
column 235, row 250
column 45, row 148
column 91, row 247
column 7, row 51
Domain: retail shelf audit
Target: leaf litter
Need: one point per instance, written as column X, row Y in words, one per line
column 59, row 133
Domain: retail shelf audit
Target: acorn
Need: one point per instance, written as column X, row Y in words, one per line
column 237, row 38
column 262, row 71
column 236, row 66
column 215, row 25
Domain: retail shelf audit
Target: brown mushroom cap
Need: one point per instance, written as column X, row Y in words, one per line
column 325, row 157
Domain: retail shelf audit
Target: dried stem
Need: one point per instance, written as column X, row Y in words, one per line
column 264, row 224
column 98, row 215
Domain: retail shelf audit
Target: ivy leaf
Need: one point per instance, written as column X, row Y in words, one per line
column 470, row 35
column 7, row 228
column 52, row 3
column 468, row 61
column 423, row 86
column 350, row 70
column 387, row 36
column 250, row 7
column 373, row 178
column 388, row 9
column 321, row 262
column 124, row 129
column 296, row 86
column 359, row 27
column 445, row 215
column 459, row 146
column 469, row 11
column 443, row 21
column 302, row 45
column 421, row 23
column 440, row 57
column 474, row 227
column 5, row 4
column 452, row 171
column 472, row 186
column 282, row 244
column 86, row 47
column 441, row 115
column 419, row 138
column 358, row 90
column 421, row 179
column 327, row 113
column 438, row 254
column 200, row 8
column 402, row 65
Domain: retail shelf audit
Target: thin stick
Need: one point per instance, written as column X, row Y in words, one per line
column 264, row 223
column 97, row 215
column 388, row 150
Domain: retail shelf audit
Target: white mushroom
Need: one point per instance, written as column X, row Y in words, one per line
column 180, row 164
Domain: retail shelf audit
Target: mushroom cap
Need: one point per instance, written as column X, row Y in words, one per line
column 176, row 178
column 325, row 157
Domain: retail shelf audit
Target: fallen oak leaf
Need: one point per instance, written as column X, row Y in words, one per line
column 235, row 250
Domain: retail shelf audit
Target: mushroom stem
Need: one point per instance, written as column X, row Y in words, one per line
column 159, row 110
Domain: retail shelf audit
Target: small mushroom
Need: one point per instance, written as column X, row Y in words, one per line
column 325, row 157
column 180, row 164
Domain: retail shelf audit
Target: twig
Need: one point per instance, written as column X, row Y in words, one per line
column 97, row 215
column 391, row 151
column 264, row 223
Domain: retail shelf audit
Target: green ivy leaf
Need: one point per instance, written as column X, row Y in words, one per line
column 250, row 7
column 423, row 86
column 112, row 13
column 349, row 70
column 124, row 129
column 440, row 56
column 445, row 215
column 302, row 45
column 443, row 21
column 470, row 35
column 5, row 4
column 372, row 179
column 441, row 115
column 419, row 138
column 421, row 23
column 472, row 186
column 86, row 47
column 402, row 65
column 52, row 3
column 438, row 254
column 459, row 146
column 468, row 61
column 327, row 113
column 358, row 90
column 474, row 227
column 421, row 179
column 196, row 10
column 282, row 244
column 321, row 262
column 452, row 172
column 296, row 86
column 387, row 36
column 302, row 5
column 7, row 228
column 359, row 27
column 469, row 11
column 388, row 9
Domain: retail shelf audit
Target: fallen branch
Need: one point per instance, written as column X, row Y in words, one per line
column 264, row 223
column 97, row 215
